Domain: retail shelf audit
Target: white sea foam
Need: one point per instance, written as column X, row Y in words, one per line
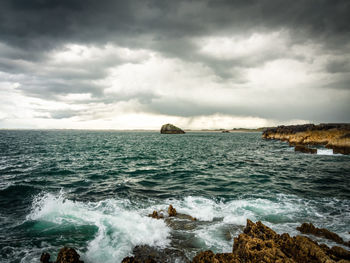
column 119, row 229
column 122, row 226
column 326, row 152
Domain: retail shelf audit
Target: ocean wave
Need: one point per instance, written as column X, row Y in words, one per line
column 119, row 229
column 121, row 224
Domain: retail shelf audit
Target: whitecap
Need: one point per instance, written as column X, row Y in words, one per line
column 119, row 229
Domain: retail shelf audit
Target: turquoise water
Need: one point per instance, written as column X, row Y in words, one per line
column 93, row 190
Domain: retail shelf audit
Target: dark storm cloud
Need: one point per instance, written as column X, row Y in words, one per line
column 31, row 29
column 38, row 24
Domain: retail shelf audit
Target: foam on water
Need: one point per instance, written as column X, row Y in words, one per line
column 326, row 152
column 119, row 229
column 121, row 225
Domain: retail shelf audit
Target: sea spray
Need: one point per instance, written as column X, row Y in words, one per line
column 119, row 229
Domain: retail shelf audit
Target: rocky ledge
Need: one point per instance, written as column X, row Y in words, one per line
column 170, row 129
column 257, row 243
column 334, row 136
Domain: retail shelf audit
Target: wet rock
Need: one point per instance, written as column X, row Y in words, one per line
column 65, row 255
column 68, row 255
column 170, row 129
column 149, row 254
column 306, row 228
column 339, row 253
column 186, row 217
column 171, row 211
column 204, row 256
column 45, row 258
column 209, row 257
column 156, row 215
column 304, row 149
column 259, row 243
column 130, row 260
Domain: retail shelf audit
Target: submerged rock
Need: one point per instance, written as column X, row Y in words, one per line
column 306, row 228
column 170, row 129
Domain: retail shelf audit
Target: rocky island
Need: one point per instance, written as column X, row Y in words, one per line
column 334, row 136
column 171, row 129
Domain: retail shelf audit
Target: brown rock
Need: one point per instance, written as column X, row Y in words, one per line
column 147, row 254
column 304, row 149
column 209, row 257
column 339, row 253
column 45, row 258
column 68, row 255
column 259, row 243
column 171, row 211
column 335, row 136
column 205, row 257
column 306, row 228
column 130, row 260
column 156, row 215
column 226, row 258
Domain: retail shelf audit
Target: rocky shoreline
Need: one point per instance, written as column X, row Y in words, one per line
column 334, row 136
column 257, row 243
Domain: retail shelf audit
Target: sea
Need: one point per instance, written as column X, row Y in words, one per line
column 94, row 190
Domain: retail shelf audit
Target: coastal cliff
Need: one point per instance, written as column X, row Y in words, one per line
column 334, row 136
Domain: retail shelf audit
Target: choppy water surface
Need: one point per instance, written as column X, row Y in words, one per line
column 93, row 190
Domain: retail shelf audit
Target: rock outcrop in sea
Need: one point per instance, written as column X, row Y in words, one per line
column 170, row 129
column 334, row 136
column 65, row 255
column 257, row 243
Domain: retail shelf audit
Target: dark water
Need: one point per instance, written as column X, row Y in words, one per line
column 93, row 190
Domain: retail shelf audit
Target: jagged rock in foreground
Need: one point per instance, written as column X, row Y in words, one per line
column 147, row 254
column 65, row 255
column 170, row 129
column 335, row 136
column 306, row 228
column 259, row 243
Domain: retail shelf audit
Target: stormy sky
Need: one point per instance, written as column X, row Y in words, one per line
column 199, row 64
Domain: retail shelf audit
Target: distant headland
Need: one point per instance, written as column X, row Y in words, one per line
column 334, row 136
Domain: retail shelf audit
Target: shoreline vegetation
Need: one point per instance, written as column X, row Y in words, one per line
column 257, row 243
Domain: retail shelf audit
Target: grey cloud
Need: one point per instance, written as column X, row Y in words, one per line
column 37, row 24
column 30, row 29
column 63, row 114
column 316, row 111
column 338, row 65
